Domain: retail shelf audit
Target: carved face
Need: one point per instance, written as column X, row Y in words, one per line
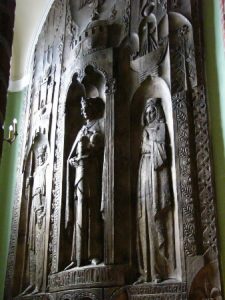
column 87, row 111
column 150, row 114
column 41, row 157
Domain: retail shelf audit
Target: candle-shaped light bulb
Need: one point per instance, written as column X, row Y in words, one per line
column 15, row 126
column 10, row 132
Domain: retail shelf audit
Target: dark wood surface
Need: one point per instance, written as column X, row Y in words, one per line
column 145, row 163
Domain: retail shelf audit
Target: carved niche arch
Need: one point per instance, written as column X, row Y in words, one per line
column 156, row 87
column 88, row 82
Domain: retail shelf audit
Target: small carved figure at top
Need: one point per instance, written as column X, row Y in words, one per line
column 85, row 163
column 148, row 33
column 154, row 199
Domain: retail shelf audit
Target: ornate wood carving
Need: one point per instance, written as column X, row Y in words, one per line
column 158, row 291
column 205, row 184
column 156, row 157
column 183, row 156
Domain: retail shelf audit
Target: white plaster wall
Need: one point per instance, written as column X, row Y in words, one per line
column 30, row 16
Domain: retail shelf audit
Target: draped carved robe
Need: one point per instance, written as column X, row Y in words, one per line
column 154, row 218
column 85, row 165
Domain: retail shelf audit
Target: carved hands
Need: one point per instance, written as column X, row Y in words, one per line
column 86, row 147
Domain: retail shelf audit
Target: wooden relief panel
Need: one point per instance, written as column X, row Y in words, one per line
column 115, row 193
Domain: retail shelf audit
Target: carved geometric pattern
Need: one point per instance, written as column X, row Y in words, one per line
column 110, row 86
column 37, row 297
column 56, row 191
column 79, row 296
column 190, row 60
column 183, row 156
column 172, row 291
column 92, row 277
column 205, row 184
column 161, row 8
column 183, row 64
column 178, row 69
column 126, row 16
column 56, row 196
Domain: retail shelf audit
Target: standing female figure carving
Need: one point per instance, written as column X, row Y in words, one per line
column 154, row 198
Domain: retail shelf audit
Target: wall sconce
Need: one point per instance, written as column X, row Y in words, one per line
column 12, row 132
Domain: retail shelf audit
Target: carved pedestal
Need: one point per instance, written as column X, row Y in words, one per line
column 92, row 277
column 168, row 290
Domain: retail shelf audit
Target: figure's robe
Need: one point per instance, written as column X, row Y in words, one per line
column 84, row 193
column 154, row 206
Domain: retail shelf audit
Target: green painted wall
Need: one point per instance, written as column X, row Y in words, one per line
column 215, row 71
column 7, row 181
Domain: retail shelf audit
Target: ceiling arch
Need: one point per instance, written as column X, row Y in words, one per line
column 30, row 16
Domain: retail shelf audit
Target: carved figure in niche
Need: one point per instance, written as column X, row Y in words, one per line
column 148, row 33
column 154, row 218
column 72, row 112
column 85, row 162
column 35, row 193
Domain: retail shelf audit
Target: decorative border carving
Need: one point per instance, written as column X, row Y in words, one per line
column 57, row 148
column 204, row 171
column 79, row 296
column 126, row 16
column 169, row 291
column 91, row 276
column 56, row 191
column 183, row 157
